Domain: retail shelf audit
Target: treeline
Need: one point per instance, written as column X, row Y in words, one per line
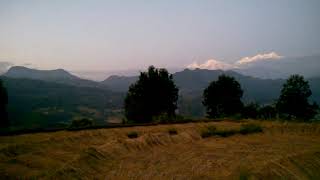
column 154, row 97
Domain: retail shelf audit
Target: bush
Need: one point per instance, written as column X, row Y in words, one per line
column 165, row 118
column 212, row 131
column 172, row 131
column 162, row 118
column 244, row 129
column 225, row 132
column 208, row 131
column 250, row 128
column 81, row 123
column 250, row 110
column 132, row 134
column 267, row 112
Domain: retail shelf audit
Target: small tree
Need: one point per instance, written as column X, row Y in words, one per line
column 152, row 95
column 268, row 112
column 223, row 97
column 251, row 110
column 293, row 101
column 4, row 121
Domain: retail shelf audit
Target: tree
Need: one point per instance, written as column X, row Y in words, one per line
column 223, row 97
column 4, row 121
column 293, row 101
column 152, row 95
column 250, row 110
column 268, row 112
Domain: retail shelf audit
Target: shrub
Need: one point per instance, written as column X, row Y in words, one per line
column 267, row 112
column 162, row 118
column 81, row 123
column 250, row 128
column 172, row 131
column 212, row 131
column 250, row 110
column 132, row 134
column 244, row 129
column 165, row 118
column 225, row 132
column 208, row 131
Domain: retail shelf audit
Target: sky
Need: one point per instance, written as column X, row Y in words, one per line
column 125, row 34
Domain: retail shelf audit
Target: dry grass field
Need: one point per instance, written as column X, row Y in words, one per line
column 281, row 151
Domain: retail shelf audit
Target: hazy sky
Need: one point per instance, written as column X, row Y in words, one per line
column 119, row 34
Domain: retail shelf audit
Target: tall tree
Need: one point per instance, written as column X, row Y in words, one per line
column 223, row 97
column 4, row 121
column 293, row 101
column 153, row 94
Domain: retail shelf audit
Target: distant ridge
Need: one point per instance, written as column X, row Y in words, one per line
column 119, row 83
column 191, row 84
column 57, row 76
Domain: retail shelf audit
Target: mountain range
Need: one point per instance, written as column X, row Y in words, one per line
column 61, row 94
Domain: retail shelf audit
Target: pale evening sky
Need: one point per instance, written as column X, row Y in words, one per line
column 130, row 34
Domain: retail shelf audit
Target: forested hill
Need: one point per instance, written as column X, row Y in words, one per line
column 58, row 76
column 191, row 84
column 194, row 81
column 36, row 103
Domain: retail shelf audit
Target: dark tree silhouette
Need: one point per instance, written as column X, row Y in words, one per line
column 251, row 110
column 268, row 112
column 153, row 94
column 293, row 101
column 223, row 97
column 4, row 121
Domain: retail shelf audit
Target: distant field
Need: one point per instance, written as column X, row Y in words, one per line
column 281, row 151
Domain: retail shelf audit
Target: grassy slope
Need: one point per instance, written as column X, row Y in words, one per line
column 281, row 151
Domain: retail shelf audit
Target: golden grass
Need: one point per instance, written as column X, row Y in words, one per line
column 283, row 150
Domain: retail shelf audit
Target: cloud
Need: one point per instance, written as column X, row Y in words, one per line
column 216, row 64
column 4, row 66
column 211, row 64
column 259, row 57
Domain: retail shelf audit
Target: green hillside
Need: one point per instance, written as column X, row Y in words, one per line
column 35, row 103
